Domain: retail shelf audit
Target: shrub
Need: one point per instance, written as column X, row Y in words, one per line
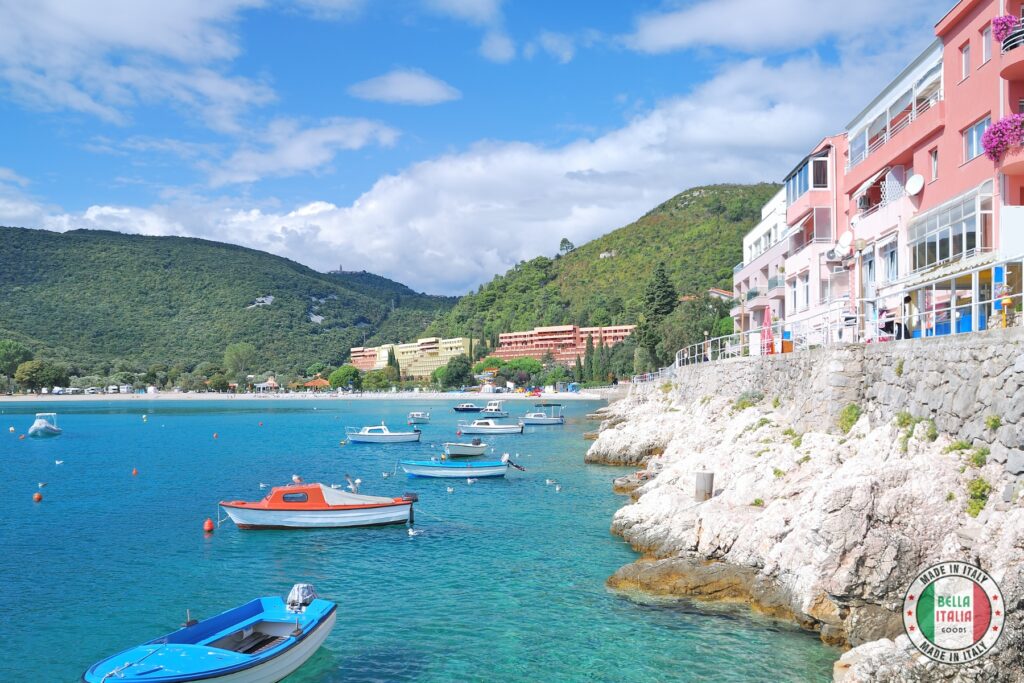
column 804, row 459
column 905, row 419
column 798, row 441
column 950, row 496
column 899, row 368
column 761, row 452
column 979, row 456
column 758, row 502
column 978, row 491
column 848, row 417
column 666, row 387
column 778, row 473
column 789, row 431
column 756, row 425
column 993, row 422
column 775, row 402
column 747, row 399
column 932, row 432
column 958, row 445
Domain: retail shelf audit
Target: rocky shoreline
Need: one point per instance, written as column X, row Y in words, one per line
column 819, row 528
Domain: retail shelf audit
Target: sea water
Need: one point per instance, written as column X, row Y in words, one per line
column 503, row 582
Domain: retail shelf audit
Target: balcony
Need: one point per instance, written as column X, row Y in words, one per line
column 893, row 143
column 737, row 268
column 1012, row 162
column 1012, row 67
column 777, row 287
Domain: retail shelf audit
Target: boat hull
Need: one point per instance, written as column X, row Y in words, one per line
column 395, row 437
column 500, row 429
column 467, row 410
column 250, row 518
column 542, row 420
column 456, row 450
column 453, row 470
column 493, row 413
column 418, row 420
column 42, row 429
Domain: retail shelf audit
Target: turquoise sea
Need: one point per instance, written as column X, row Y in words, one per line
column 505, row 582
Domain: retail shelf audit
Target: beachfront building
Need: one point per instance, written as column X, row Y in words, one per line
column 903, row 225
column 758, row 281
column 417, row 360
column 563, row 342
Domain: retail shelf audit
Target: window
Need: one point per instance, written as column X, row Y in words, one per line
column 934, row 157
column 986, row 44
column 972, row 138
column 805, row 289
column 295, row 497
column 797, row 184
column 820, row 175
column 965, row 61
column 890, row 262
column 955, row 230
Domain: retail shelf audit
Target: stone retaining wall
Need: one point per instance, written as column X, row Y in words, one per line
column 964, row 383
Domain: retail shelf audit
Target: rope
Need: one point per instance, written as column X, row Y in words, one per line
column 117, row 670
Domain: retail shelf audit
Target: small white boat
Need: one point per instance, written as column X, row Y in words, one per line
column 467, row 408
column 550, row 414
column 315, row 506
column 454, row 470
column 488, row 427
column 380, row 434
column 418, row 417
column 494, row 409
column 45, row 425
column 455, row 449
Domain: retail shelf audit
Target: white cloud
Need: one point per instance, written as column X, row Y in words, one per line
column 753, row 25
column 405, row 86
column 558, row 45
column 289, row 149
column 7, row 175
column 479, row 12
column 330, row 10
column 103, row 57
column 498, row 47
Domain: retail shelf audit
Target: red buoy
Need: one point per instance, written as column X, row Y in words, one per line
column 37, row 497
column 21, row 438
column 215, row 435
column 261, row 423
column 458, row 433
column 208, row 526
column 135, row 472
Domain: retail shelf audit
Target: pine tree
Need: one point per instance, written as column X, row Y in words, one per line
column 393, row 362
column 601, row 365
column 660, row 297
column 577, row 373
column 588, row 360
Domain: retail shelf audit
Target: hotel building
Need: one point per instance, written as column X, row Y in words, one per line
column 417, row 360
column 902, row 217
column 563, row 342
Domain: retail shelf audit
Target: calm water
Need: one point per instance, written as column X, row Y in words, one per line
column 505, row 582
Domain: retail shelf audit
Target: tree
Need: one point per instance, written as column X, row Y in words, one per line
column 393, row 362
column 12, row 354
column 219, row 383
column 565, row 246
column 487, row 363
column 376, row 380
column 36, row 374
column 459, row 372
column 439, row 376
column 588, row 360
column 346, row 376
column 239, row 359
column 316, row 368
column 577, row 373
column 687, row 324
column 660, row 299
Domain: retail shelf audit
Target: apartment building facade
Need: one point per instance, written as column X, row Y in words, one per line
column 417, row 360
column 563, row 342
column 902, row 225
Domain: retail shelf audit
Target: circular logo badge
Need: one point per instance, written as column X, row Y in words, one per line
column 953, row 612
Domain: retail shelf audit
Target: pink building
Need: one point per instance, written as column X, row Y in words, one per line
column 902, row 225
column 563, row 342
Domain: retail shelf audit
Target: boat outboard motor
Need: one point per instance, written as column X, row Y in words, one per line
column 476, row 441
column 300, row 596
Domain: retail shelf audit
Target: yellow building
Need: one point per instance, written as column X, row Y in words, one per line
column 418, row 359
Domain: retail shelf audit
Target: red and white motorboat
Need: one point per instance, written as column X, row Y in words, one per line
column 315, row 506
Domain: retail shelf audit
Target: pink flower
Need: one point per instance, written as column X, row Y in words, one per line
column 1003, row 26
column 1002, row 135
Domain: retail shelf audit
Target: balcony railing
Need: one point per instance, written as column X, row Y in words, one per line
column 1014, row 40
column 895, row 129
column 776, row 282
column 753, row 294
column 737, row 268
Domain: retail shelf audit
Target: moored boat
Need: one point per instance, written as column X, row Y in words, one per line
column 467, row 408
column 447, row 469
column 262, row 641
column 45, row 425
column 380, row 434
column 418, row 417
column 315, row 506
column 456, row 449
column 494, row 409
column 488, row 427
column 550, row 414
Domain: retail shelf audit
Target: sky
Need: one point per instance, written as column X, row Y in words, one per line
column 435, row 142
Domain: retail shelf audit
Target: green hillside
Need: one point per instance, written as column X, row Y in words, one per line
column 698, row 234
column 92, row 298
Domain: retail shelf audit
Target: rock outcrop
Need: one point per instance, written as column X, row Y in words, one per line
column 823, row 529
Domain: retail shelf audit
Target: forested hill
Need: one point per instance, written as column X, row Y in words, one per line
column 92, row 298
column 697, row 234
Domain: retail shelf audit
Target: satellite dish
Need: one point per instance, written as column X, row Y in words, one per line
column 845, row 240
column 915, row 184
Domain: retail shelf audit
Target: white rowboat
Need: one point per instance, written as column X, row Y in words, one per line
column 380, row 434
column 488, row 427
column 456, row 449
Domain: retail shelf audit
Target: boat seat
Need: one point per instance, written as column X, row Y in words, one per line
column 257, row 643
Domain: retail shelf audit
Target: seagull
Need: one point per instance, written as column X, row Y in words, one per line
column 58, row 462
column 471, row 480
column 413, row 532
column 353, row 484
column 549, row 482
column 451, row 490
column 558, row 487
column 296, row 479
column 385, row 474
column 42, row 484
column 262, row 486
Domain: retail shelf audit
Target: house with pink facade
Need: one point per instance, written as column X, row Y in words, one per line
column 910, row 223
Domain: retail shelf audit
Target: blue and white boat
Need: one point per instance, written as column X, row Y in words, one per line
column 448, row 469
column 263, row 641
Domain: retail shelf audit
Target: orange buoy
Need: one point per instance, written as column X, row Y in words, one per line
column 37, row 497
column 135, row 472
column 261, row 423
column 208, row 526
column 215, row 435
column 458, row 433
column 21, row 437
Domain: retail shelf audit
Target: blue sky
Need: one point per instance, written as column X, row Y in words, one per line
column 436, row 142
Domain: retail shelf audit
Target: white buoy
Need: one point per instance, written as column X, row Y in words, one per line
column 451, row 490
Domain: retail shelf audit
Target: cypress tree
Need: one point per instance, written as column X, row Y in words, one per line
column 577, row 372
column 393, row 361
column 588, row 360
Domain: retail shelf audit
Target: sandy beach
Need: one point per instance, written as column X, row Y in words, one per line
column 589, row 395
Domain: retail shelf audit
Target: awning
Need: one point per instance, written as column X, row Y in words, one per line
column 885, row 241
column 871, row 181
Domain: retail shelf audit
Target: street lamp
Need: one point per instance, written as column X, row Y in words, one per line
column 860, row 245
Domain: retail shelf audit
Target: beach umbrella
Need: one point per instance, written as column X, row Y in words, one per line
column 767, row 340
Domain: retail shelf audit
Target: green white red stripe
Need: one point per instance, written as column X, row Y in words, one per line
column 953, row 613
